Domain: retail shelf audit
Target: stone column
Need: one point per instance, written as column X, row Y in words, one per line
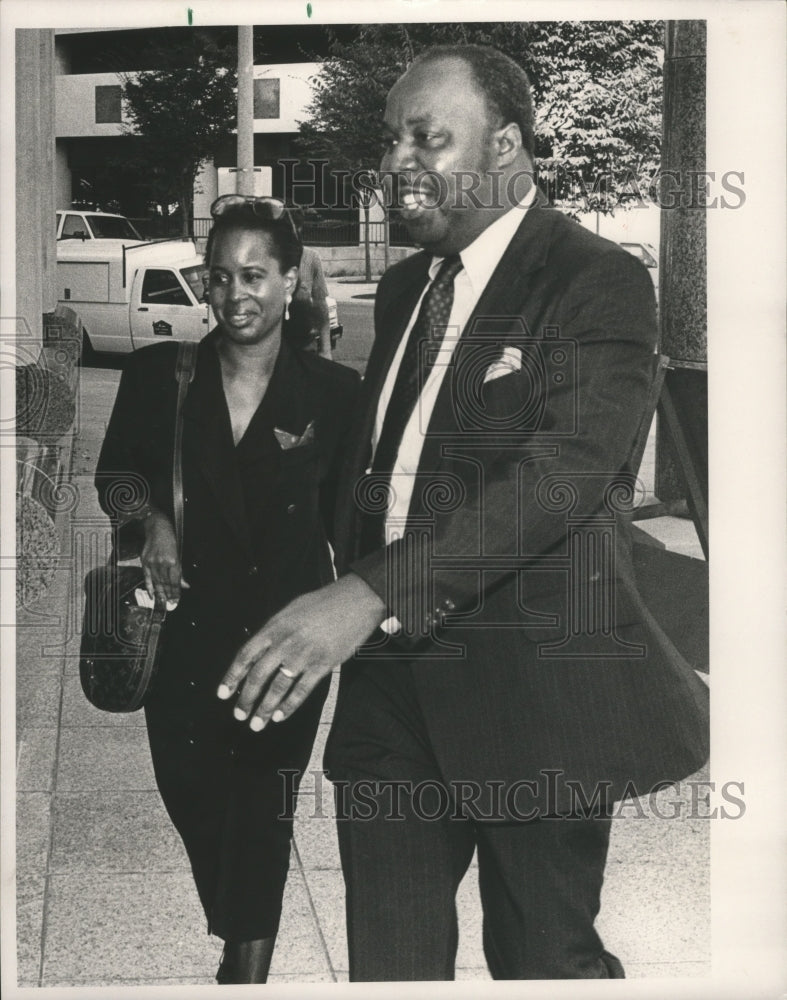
column 683, row 257
column 35, row 192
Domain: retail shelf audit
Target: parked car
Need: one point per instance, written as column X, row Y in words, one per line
column 644, row 252
column 649, row 256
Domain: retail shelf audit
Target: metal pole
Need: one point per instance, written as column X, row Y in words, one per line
column 245, row 180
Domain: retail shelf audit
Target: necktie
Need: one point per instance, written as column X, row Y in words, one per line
column 416, row 363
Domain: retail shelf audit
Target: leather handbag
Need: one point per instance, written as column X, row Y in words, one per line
column 120, row 637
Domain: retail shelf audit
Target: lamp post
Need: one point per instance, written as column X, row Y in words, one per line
column 245, row 179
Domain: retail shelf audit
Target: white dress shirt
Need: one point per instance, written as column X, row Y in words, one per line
column 479, row 261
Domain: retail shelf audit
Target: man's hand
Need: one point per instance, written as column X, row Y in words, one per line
column 298, row 647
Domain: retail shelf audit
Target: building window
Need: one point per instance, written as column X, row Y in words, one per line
column 266, row 98
column 107, row 104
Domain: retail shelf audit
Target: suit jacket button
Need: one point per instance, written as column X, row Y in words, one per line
column 291, row 508
column 253, row 571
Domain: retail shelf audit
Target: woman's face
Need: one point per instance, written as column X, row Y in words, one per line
column 246, row 288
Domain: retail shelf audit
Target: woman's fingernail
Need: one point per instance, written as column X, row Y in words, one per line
column 223, row 692
column 256, row 724
column 171, row 605
column 278, row 715
column 239, row 714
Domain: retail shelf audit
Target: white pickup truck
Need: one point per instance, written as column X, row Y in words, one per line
column 131, row 294
column 76, row 224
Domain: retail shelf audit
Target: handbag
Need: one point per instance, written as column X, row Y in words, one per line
column 120, row 638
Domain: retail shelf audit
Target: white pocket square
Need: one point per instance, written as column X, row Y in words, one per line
column 288, row 440
column 509, row 362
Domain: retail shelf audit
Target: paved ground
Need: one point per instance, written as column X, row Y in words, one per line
column 104, row 892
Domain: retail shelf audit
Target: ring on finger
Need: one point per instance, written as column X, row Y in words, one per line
column 289, row 674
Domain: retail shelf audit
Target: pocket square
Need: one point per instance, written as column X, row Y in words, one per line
column 287, row 440
column 510, row 361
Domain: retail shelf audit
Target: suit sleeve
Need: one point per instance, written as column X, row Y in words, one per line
column 342, row 404
column 123, row 479
column 606, row 314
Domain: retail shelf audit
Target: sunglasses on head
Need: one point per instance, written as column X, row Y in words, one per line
column 270, row 209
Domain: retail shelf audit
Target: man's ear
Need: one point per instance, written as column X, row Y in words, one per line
column 508, row 142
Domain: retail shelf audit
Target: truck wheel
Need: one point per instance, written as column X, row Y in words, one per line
column 88, row 354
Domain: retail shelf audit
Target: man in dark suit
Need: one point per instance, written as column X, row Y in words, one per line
column 513, row 686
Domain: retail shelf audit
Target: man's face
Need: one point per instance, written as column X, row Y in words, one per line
column 439, row 149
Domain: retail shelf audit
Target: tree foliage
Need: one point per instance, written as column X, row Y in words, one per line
column 182, row 114
column 596, row 89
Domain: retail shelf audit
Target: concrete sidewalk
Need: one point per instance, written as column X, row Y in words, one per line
column 104, row 891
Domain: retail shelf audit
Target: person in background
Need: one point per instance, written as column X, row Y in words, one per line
column 263, row 426
column 313, row 288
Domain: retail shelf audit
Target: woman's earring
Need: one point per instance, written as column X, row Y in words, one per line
column 287, row 301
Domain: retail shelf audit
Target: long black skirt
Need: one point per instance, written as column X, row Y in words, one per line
column 230, row 792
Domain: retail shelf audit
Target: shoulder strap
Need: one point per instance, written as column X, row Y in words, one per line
column 185, row 367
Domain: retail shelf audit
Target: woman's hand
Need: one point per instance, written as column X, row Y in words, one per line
column 160, row 561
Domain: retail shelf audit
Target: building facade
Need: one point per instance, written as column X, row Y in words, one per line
column 90, row 137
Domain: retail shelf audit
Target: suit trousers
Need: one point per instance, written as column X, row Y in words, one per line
column 406, row 842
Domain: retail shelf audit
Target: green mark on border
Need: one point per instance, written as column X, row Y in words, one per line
column 308, row 10
column 190, row 12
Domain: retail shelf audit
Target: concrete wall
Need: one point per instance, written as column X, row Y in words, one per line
column 76, row 100
column 62, row 176
column 76, row 105
column 205, row 191
column 295, row 93
column 35, row 172
column 337, row 261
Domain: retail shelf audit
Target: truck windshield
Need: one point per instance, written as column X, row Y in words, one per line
column 195, row 278
column 112, row 227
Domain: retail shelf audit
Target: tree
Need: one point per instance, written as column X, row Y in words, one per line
column 181, row 114
column 596, row 89
column 344, row 116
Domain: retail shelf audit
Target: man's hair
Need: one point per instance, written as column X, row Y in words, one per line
column 286, row 246
column 504, row 84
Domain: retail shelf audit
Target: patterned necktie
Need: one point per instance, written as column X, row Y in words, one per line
column 417, row 361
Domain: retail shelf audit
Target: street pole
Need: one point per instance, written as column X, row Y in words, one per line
column 245, row 179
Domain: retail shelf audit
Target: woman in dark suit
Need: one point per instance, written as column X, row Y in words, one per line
column 263, row 425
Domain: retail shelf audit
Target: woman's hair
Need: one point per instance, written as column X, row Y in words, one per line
column 287, row 247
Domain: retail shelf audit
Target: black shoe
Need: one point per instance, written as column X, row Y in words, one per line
column 225, row 971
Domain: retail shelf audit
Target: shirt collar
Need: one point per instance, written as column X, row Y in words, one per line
column 482, row 256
